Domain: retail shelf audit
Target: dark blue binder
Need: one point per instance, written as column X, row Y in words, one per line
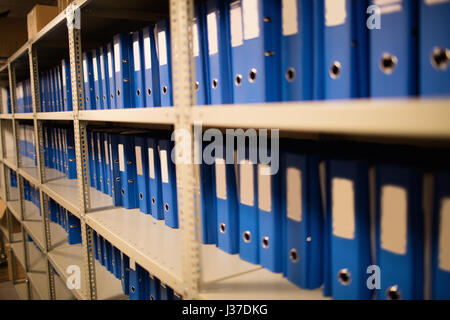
column 143, row 192
column 154, row 179
column 138, row 70
column 127, row 168
column 123, row 66
column 151, row 66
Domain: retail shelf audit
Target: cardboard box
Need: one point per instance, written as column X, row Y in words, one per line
column 62, row 4
column 39, row 17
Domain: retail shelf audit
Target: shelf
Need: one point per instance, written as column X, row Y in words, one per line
column 153, row 245
column 61, row 290
column 22, row 290
column 158, row 115
column 258, row 285
column 62, row 190
column 7, row 116
column 403, row 118
column 29, row 171
column 62, row 115
column 35, row 230
column 19, row 253
column 14, row 207
column 31, row 212
column 10, row 162
column 24, row 115
column 17, row 236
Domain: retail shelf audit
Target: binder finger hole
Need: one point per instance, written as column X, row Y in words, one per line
column 290, row 74
column 132, row 289
column 222, row 228
column 166, row 207
column 247, row 237
column 440, row 58
column 104, row 98
column 388, row 63
column 138, row 92
column 335, row 70
column 122, row 191
column 252, row 75
column 149, row 91
column 238, row 80
column 164, row 89
column 293, row 255
column 265, row 242
column 152, row 297
column 112, row 96
column 141, row 196
column 392, row 293
column 215, row 83
column 344, row 277
column 153, row 200
column 97, row 98
column 197, row 85
column 118, row 92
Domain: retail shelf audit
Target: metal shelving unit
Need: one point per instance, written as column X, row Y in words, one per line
column 175, row 256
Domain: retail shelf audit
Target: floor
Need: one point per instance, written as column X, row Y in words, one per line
column 7, row 290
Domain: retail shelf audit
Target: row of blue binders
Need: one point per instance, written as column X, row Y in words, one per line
column 315, row 228
column 137, row 282
column 136, row 170
column 27, row 142
column 12, row 179
column 31, row 193
column 23, row 96
column 55, row 88
column 59, row 149
column 6, row 100
column 69, row 222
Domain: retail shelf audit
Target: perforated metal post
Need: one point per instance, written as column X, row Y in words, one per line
column 38, row 138
column 81, row 151
column 188, row 177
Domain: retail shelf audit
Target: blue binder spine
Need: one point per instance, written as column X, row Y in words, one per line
column 112, row 100
column 165, row 62
column 154, row 176
column 89, row 93
column 169, row 183
column 200, row 54
column 96, row 71
column 151, row 65
column 115, row 169
column 143, row 191
column 138, row 69
column 127, row 166
column 104, row 76
column 123, row 62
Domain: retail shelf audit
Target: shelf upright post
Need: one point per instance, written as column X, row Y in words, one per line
column 73, row 13
column 187, row 172
column 39, row 145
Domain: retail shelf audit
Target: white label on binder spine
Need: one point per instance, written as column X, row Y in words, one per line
column 99, row 150
column 137, row 56
column 195, row 39
column 110, row 155
column 294, row 194
column 121, row 158
column 164, row 168
column 162, row 46
column 251, row 21
column 110, row 68
column 221, row 179
column 138, row 152
column 433, row 2
column 105, row 142
column 444, row 235
column 246, row 181
column 212, row 33
column 147, row 51
column 63, row 70
column 85, row 71
column 94, row 62
column 389, row 6
column 264, row 188
column 343, row 208
column 394, row 220
column 236, row 24
column 151, row 163
column 92, row 148
column 117, row 56
column 335, row 12
column 289, row 17
column 102, row 67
